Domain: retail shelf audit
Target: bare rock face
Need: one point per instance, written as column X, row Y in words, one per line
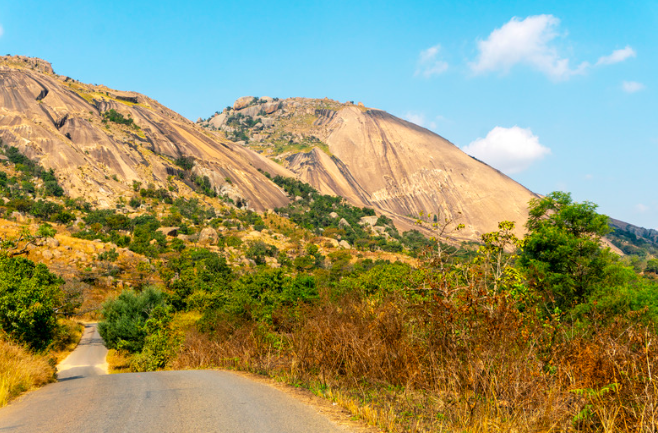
column 242, row 102
column 402, row 169
column 398, row 168
column 59, row 122
column 270, row 107
column 208, row 235
column 369, row 221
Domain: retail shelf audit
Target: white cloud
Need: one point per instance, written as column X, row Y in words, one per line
column 2, row 31
column 641, row 208
column 617, row 56
column 529, row 42
column 632, row 86
column 429, row 64
column 417, row 118
column 510, row 150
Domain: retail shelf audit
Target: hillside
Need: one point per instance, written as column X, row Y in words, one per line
column 376, row 160
column 100, row 141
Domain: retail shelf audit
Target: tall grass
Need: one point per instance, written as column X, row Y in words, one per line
column 21, row 371
column 474, row 362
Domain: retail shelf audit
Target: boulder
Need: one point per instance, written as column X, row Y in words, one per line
column 271, row 107
column 18, row 216
column 267, row 122
column 219, row 120
column 369, row 220
column 333, row 243
column 252, row 110
column 343, row 223
column 333, row 215
column 344, row 244
column 52, row 242
column 266, row 99
column 47, row 255
column 242, row 102
column 272, row 262
column 208, row 235
column 168, row 231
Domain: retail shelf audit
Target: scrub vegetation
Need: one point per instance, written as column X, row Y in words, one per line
column 551, row 332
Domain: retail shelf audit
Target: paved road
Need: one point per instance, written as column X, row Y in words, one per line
column 88, row 359
column 167, row 401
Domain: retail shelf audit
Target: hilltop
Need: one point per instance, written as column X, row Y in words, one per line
column 101, row 142
column 375, row 159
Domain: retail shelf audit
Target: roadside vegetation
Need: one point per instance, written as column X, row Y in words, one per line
column 547, row 333
column 552, row 332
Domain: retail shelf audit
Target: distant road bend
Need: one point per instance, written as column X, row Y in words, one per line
column 87, row 399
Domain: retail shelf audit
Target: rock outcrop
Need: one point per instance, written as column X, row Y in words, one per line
column 60, row 122
column 377, row 160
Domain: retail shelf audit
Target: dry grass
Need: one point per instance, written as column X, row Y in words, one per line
column 21, row 371
column 67, row 339
column 118, row 361
column 471, row 364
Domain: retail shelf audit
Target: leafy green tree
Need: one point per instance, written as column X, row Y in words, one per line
column 30, row 298
column 563, row 258
column 160, row 341
column 124, row 319
column 258, row 250
column 652, row 266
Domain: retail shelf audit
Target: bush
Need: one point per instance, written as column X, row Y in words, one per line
column 124, row 319
column 30, row 297
column 159, row 344
column 114, row 116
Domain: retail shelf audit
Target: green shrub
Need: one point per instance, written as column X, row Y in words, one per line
column 124, row 319
column 160, row 342
column 30, row 296
column 114, row 116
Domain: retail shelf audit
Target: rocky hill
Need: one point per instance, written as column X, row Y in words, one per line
column 102, row 143
column 375, row 159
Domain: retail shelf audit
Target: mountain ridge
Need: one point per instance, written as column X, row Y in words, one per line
column 375, row 159
column 63, row 124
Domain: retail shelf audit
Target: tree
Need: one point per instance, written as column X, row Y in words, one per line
column 30, row 298
column 124, row 319
column 652, row 266
column 563, row 258
column 497, row 254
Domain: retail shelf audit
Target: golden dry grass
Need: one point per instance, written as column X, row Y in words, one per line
column 21, row 371
column 118, row 361
column 68, row 337
column 472, row 365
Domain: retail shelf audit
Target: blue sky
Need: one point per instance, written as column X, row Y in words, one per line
column 560, row 95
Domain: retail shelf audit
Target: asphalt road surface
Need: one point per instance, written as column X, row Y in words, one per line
column 86, row 400
column 88, row 359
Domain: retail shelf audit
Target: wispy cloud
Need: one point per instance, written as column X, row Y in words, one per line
column 529, row 42
column 641, row 208
column 429, row 63
column 632, row 86
column 532, row 42
column 511, row 150
column 2, row 31
column 417, row 118
column 617, row 56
